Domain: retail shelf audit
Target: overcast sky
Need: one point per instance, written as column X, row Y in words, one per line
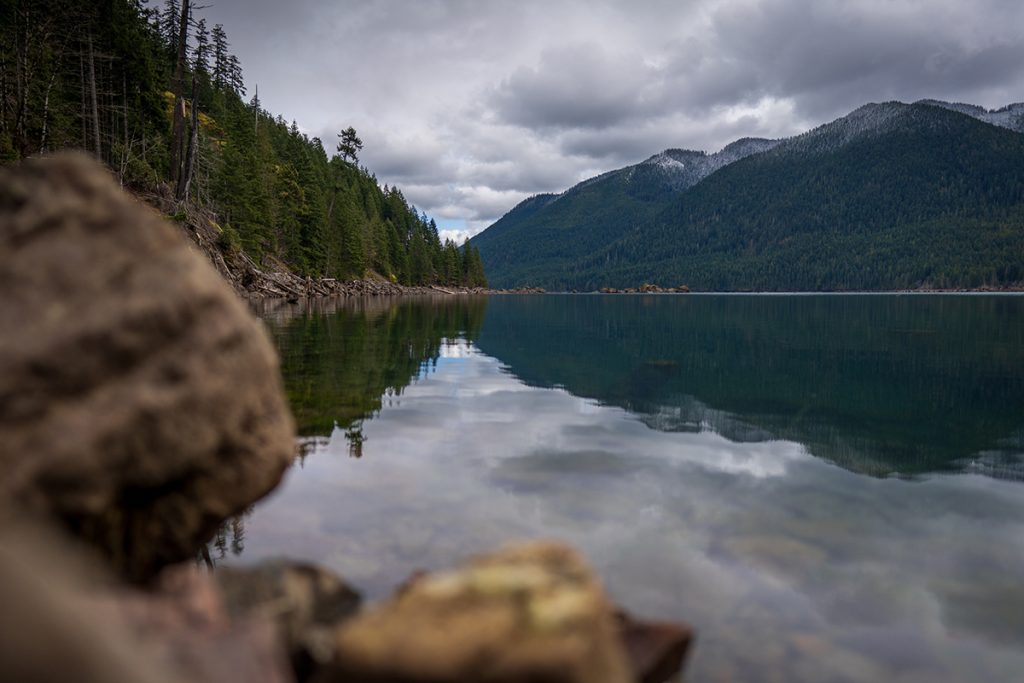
column 470, row 106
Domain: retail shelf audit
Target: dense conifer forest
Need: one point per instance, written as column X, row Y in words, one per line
column 156, row 93
column 892, row 196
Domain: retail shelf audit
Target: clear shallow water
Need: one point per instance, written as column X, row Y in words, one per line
column 827, row 487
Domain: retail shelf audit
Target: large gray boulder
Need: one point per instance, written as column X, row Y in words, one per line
column 140, row 403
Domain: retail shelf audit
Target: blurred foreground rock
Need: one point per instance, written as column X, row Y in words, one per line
column 140, row 402
column 532, row 612
column 304, row 601
column 656, row 650
column 65, row 619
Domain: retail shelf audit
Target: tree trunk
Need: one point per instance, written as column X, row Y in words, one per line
column 193, row 144
column 178, row 125
column 46, row 112
column 97, row 146
column 3, row 94
column 124, row 94
column 21, row 83
column 83, row 116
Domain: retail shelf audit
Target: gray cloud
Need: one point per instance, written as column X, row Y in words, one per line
column 579, row 86
column 473, row 104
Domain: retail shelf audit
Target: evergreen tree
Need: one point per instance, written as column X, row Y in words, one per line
column 350, row 145
column 220, row 56
column 234, row 76
column 169, row 25
column 201, row 59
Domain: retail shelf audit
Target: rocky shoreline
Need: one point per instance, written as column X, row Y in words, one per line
column 274, row 280
column 142, row 406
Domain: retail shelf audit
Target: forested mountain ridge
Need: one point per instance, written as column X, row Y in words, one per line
column 155, row 93
column 1011, row 116
column 891, row 196
column 550, row 233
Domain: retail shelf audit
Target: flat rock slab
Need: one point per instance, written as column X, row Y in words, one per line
column 140, row 402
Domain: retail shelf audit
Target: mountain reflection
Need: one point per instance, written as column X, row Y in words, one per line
column 880, row 385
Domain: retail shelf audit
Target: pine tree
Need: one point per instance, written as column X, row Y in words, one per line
column 452, row 276
column 201, row 54
column 220, row 56
column 350, row 145
column 170, row 25
column 234, row 76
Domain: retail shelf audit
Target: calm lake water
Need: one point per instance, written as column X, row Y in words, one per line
column 829, row 488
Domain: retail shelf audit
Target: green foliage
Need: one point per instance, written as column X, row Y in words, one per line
column 283, row 198
column 338, row 368
column 935, row 201
column 228, row 241
column 472, row 266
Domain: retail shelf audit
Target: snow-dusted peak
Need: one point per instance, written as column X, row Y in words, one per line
column 873, row 118
column 678, row 169
column 962, row 107
column 1011, row 116
column 687, row 167
column 744, row 147
column 676, row 159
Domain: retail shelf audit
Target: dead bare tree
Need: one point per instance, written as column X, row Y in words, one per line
column 193, row 143
column 97, row 146
column 178, row 123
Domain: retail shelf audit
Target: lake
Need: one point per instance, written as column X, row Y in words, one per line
column 829, row 488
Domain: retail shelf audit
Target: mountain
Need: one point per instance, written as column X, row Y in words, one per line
column 550, row 233
column 891, row 196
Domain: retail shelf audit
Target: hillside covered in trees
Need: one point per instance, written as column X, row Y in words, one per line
column 892, row 196
column 156, row 94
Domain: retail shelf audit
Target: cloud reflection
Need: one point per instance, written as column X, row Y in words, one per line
column 787, row 564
